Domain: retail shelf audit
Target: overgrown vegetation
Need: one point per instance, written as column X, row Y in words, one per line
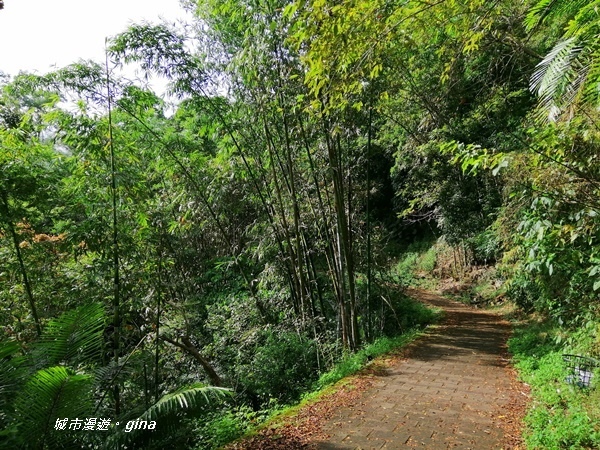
column 564, row 391
column 234, row 423
column 226, row 246
column 563, row 413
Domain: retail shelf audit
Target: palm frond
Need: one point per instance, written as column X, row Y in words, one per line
column 167, row 413
column 569, row 76
column 75, row 336
column 545, row 10
column 584, row 23
column 8, row 349
column 105, row 375
column 187, row 398
column 554, row 77
column 591, row 90
column 9, row 363
column 52, row 393
column 12, row 376
column 537, row 13
column 576, row 88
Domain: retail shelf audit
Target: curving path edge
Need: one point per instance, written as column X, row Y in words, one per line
column 451, row 391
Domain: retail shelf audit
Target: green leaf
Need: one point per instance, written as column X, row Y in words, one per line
column 168, row 410
column 51, row 394
column 552, row 77
column 503, row 164
column 77, row 335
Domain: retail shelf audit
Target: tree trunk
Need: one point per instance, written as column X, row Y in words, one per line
column 15, row 239
column 186, row 344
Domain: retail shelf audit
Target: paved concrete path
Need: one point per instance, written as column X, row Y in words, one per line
column 449, row 392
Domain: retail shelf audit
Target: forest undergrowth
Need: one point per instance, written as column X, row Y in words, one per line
column 564, row 409
column 241, row 422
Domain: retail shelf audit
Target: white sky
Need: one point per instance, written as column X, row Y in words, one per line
column 36, row 35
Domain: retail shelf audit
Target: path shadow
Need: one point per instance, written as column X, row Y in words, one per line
column 464, row 331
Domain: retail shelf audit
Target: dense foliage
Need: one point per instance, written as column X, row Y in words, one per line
column 202, row 258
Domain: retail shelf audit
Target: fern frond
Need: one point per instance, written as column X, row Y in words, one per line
column 51, row 394
column 75, row 336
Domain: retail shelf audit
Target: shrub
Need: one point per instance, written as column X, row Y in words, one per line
column 427, row 260
column 406, row 267
column 284, row 365
column 525, row 292
column 352, row 363
column 485, row 246
column 225, row 426
column 562, row 415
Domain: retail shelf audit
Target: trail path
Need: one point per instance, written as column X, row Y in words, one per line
column 451, row 389
column 450, row 392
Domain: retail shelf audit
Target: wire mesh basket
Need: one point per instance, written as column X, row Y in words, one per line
column 581, row 369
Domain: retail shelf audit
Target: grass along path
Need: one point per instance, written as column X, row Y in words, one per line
column 452, row 388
